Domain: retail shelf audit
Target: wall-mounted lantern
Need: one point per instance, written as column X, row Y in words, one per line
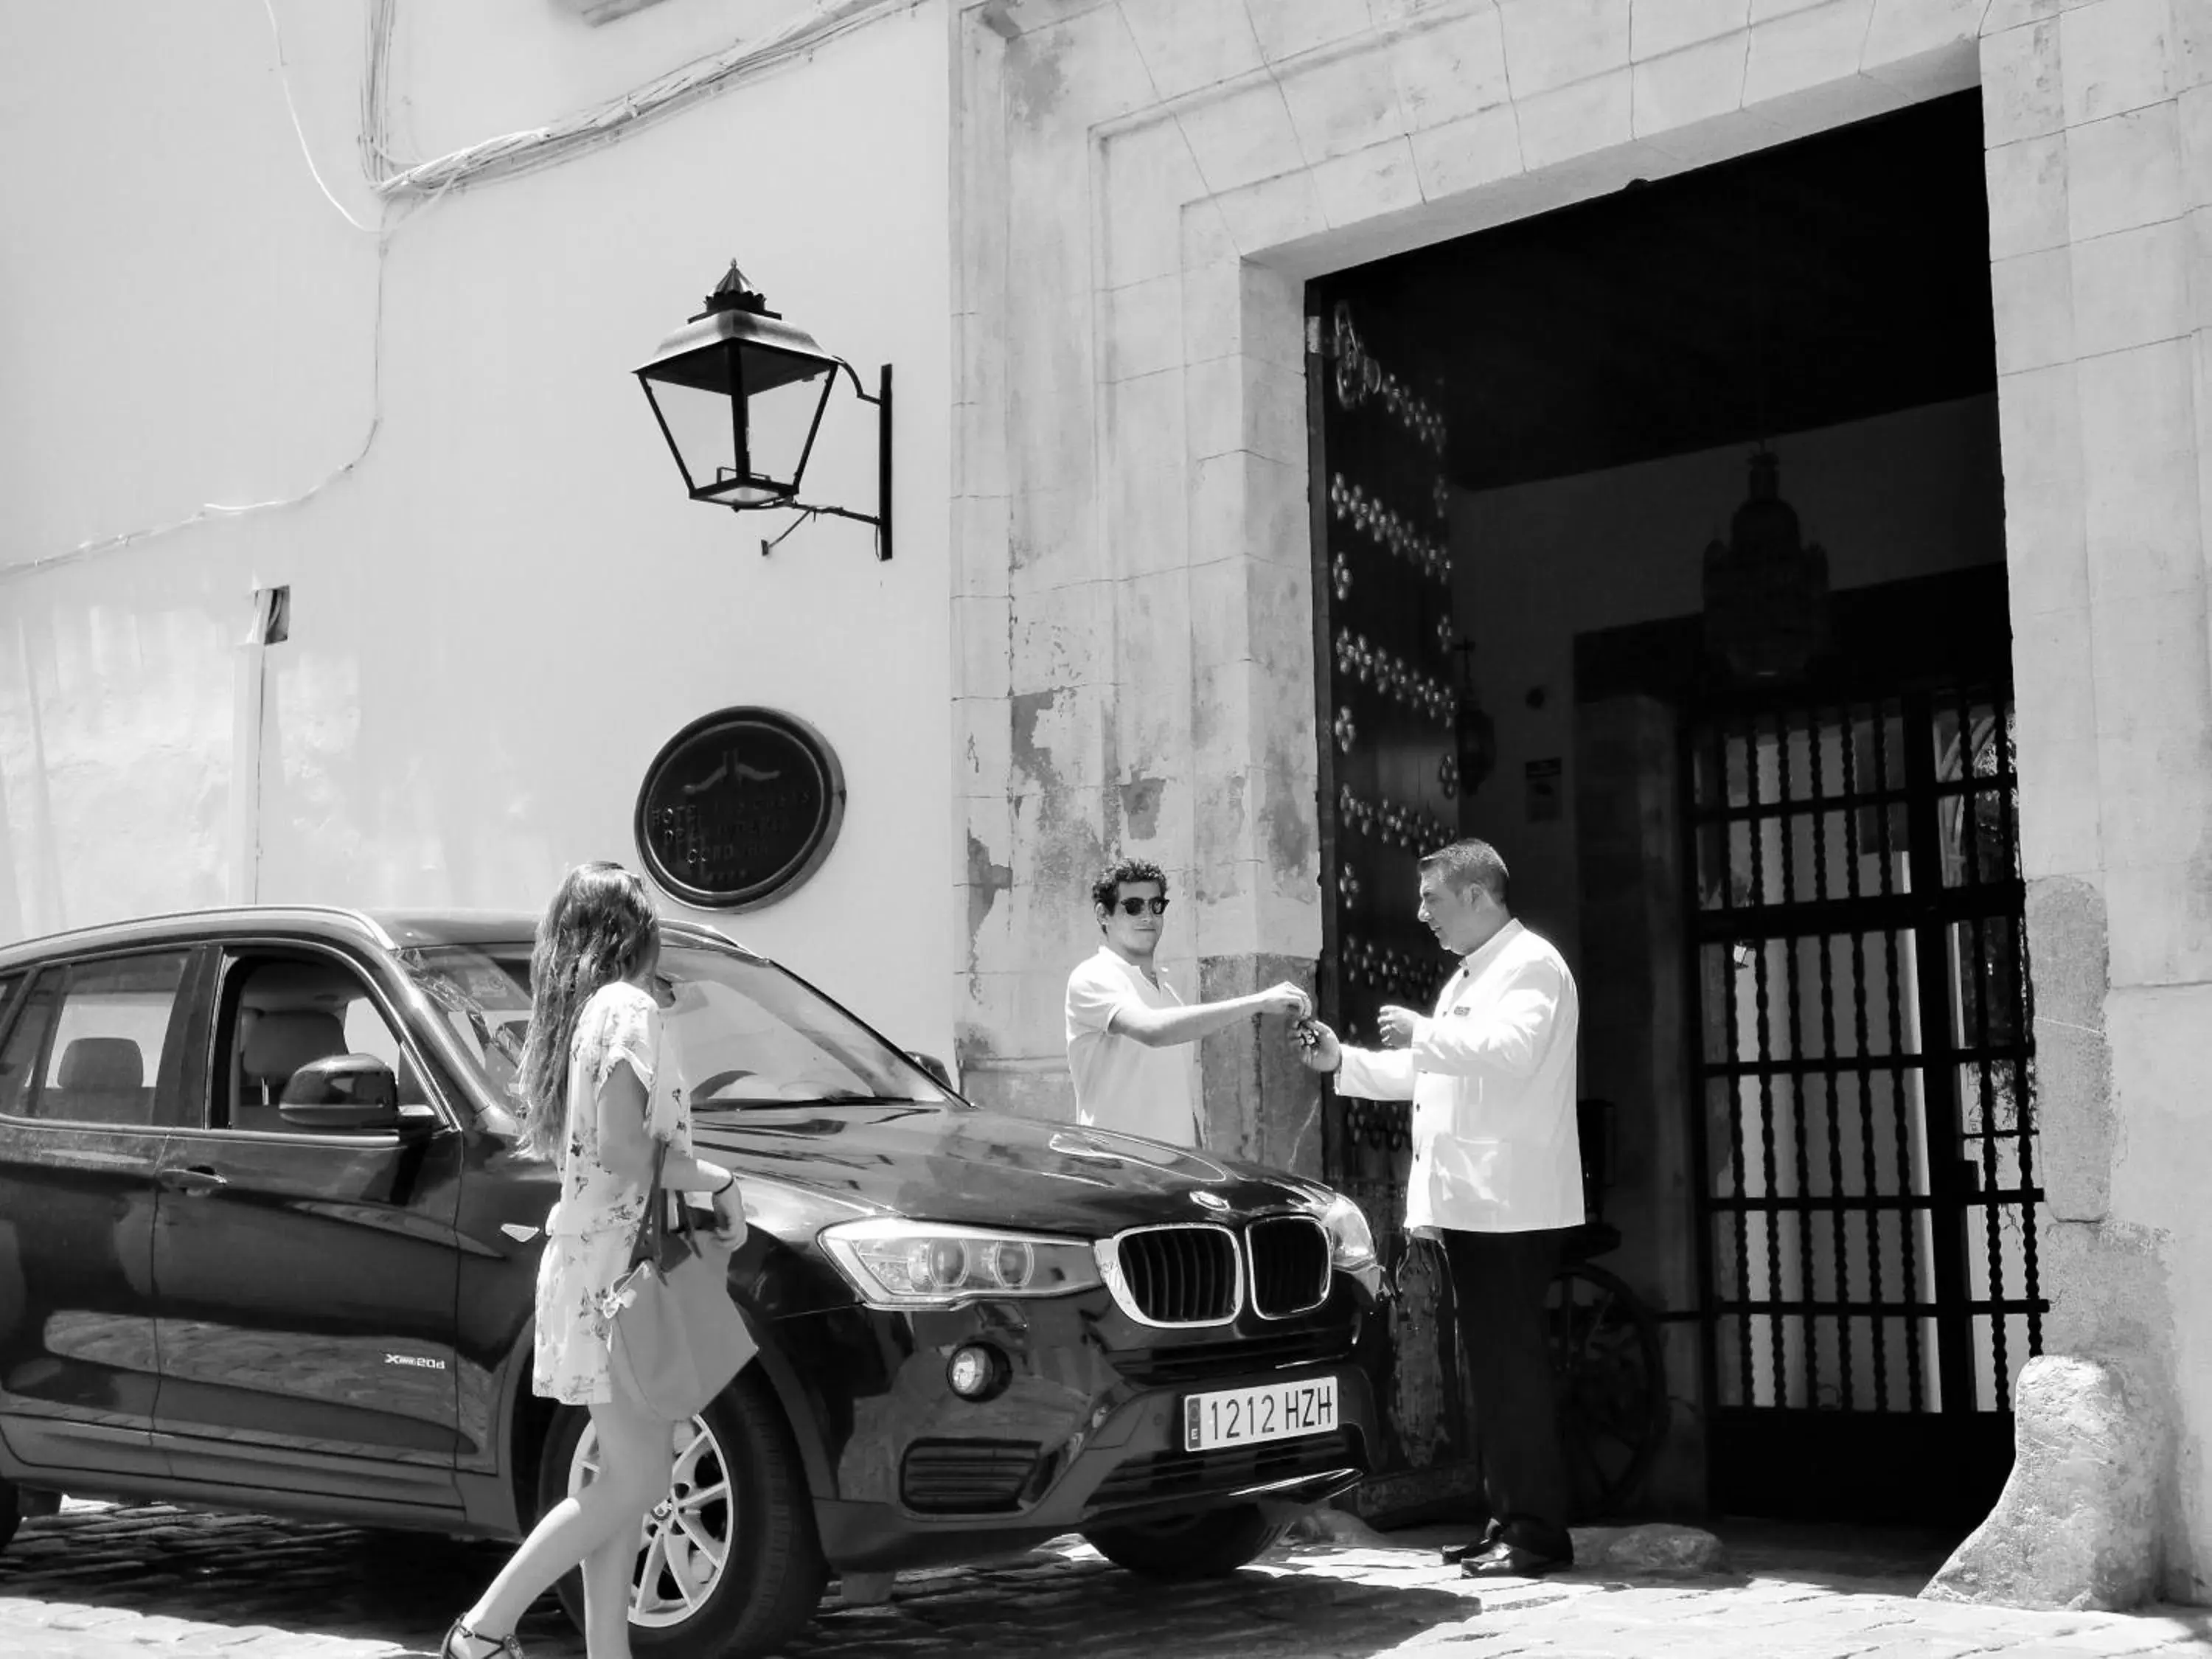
column 739, row 393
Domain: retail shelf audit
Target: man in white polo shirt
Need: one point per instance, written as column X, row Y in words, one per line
column 1125, row 1024
column 1497, row 1177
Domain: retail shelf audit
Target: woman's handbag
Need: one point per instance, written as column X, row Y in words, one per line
column 677, row 1338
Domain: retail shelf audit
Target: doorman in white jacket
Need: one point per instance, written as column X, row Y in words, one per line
column 1497, row 1177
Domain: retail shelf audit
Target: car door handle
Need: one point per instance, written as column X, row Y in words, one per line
column 192, row 1183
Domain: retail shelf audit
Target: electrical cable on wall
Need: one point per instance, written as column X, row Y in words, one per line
column 210, row 512
column 514, row 154
column 292, row 108
column 213, row 511
column 423, row 184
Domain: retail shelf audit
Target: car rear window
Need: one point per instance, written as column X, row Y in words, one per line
column 89, row 1045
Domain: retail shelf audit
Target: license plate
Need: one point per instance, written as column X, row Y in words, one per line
column 1242, row 1417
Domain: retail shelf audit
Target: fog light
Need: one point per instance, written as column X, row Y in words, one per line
column 976, row 1372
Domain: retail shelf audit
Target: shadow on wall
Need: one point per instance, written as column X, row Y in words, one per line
column 388, row 775
column 116, row 717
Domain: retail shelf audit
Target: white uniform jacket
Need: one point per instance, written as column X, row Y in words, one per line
column 1491, row 1076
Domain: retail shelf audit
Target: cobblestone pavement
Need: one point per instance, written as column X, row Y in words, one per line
column 150, row 1582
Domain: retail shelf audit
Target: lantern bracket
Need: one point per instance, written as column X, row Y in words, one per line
column 882, row 516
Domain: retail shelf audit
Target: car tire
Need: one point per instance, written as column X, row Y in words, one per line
column 11, row 1511
column 772, row 1576
column 1212, row 1543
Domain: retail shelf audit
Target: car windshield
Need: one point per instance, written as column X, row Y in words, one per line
column 744, row 1033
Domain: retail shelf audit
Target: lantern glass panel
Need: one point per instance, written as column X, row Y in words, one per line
column 784, row 397
column 701, row 428
column 741, row 417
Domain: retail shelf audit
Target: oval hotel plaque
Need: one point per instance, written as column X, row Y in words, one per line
column 739, row 807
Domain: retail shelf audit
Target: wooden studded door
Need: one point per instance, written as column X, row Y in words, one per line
column 1385, row 690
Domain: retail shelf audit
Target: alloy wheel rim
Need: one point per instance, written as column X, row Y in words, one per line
column 684, row 1547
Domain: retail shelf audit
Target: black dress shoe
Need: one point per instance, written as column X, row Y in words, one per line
column 1504, row 1560
column 1452, row 1554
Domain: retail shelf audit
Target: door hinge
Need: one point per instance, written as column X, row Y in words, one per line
column 1313, row 336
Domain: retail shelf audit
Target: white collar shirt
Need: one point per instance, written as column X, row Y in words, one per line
column 1490, row 1075
column 1120, row 1083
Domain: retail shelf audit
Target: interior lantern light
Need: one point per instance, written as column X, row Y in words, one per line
column 739, row 395
column 1765, row 588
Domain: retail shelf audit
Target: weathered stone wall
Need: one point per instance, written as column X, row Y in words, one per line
column 1142, row 187
column 2099, row 170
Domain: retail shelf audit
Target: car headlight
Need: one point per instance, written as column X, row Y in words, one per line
column 1351, row 1241
column 897, row 1263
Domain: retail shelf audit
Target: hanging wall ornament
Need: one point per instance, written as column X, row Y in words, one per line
column 1765, row 590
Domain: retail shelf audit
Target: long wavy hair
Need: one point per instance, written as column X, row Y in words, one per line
column 600, row 928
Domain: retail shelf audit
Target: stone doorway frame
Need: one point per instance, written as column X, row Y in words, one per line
column 1132, row 600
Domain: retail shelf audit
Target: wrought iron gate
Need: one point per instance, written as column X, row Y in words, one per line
column 1384, row 644
column 1862, row 1061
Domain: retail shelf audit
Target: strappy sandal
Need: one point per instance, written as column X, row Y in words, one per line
column 490, row 1647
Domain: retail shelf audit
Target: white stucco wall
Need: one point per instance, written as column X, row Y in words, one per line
column 507, row 605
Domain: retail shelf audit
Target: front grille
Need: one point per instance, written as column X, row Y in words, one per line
column 1180, row 1275
column 1193, row 1362
column 1290, row 1265
column 965, row 1477
column 1167, row 1475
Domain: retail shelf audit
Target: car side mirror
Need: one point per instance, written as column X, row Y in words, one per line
column 936, row 1068
column 342, row 1093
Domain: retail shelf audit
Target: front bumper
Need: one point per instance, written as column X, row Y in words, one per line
column 1088, row 1433
column 1144, row 1475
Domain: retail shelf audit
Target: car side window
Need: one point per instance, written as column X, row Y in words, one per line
column 279, row 1013
column 90, row 1044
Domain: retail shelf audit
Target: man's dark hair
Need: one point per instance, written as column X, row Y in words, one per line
column 1106, row 891
column 1472, row 863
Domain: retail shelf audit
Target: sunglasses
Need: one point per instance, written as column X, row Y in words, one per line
column 1137, row 907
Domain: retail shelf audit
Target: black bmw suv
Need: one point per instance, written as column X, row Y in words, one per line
column 266, row 1243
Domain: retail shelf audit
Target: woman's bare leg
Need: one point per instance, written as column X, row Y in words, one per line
column 644, row 1449
column 635, row 1453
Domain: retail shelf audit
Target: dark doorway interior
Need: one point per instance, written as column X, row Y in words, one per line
column 1841, row 276
column 1812, row 1178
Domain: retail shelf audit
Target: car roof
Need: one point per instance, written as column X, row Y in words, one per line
column 387, row 929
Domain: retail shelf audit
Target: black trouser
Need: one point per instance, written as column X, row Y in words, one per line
column 1498, row 1285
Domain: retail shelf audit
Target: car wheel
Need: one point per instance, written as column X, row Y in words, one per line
column 1212, row 1543
column 11, row 1511
column 728, row 1565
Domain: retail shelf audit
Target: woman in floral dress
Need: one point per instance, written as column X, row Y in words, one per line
column 598, row 1093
